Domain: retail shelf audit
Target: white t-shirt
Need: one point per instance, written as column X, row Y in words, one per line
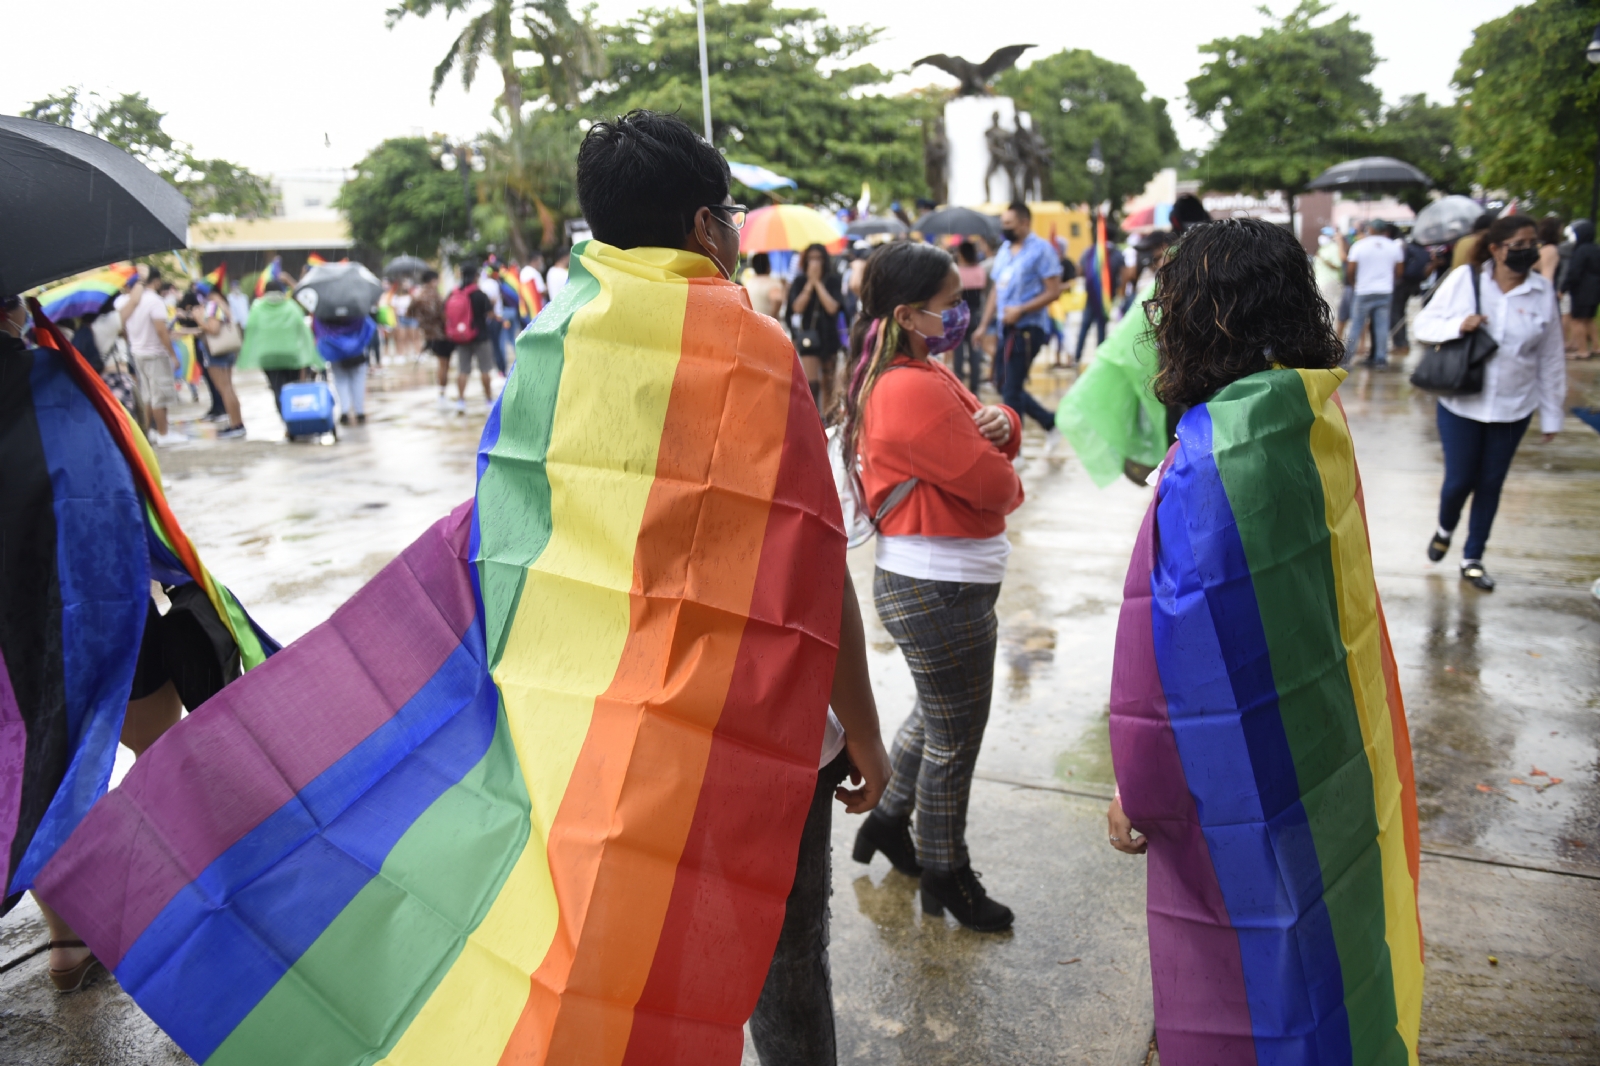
column 1375, row 258
column 530, row 276
column 140, row 327
column 556, row 279
column 970, row 560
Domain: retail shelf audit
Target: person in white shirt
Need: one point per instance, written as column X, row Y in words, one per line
column 556, row 277
column 144, row 322
column 1527, row 372
column 1371, row 269
column 532, row 275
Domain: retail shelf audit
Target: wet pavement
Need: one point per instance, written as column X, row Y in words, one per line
column 1498, row 688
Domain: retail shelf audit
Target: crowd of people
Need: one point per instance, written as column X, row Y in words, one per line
column 930, row 457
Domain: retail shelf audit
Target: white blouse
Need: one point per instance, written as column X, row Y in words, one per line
column 1529, row 369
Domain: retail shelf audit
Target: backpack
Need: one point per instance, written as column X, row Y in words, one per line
column 458, row 325
column 1417, row 260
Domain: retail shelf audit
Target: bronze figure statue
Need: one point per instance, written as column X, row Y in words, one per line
column 936, row 160
column 1033, row 161
column 975, row 77
column 1002, row 157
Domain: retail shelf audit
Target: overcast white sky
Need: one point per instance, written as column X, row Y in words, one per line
column 291, row 84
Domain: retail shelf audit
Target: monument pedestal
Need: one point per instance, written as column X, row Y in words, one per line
column 967, row 120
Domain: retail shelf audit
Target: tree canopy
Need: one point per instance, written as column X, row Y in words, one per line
column 1428, row 136
column 1076, row 98
column 1287, row 103
column 212, row 186
column 1530, row 101
column 402, row 200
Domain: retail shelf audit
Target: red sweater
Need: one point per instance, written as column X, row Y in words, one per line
column 918, row 424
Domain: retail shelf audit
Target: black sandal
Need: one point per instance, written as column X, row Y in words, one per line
column 1472, row 571
column 1437, row 547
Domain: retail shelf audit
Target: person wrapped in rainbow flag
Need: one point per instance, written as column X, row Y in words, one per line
column 1257, row 728
column 86, row 656
column 554, row 796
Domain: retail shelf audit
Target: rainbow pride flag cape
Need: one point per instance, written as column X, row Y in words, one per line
column 188, row 369
column 85, row 527
column 1260, row 741
column 535, row 793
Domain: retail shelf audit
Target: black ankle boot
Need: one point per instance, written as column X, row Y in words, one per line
column 882, row 833
column 961, row 892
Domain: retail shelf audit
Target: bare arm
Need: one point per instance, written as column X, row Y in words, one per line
column 858, row 712
column 161, row 331
column 825, row 298
column 803, row 301
column 988, row 311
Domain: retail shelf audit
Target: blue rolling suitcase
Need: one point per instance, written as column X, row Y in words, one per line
column 307, row 408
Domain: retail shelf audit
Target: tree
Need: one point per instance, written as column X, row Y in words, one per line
column 1530, row 103
column 771, row 101
column 1286, row 104
column 401, row 200
column 1428, row 136
column 1076, row 98
column 212, row 186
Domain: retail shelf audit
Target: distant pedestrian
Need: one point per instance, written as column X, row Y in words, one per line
column 967, row 359
column 223, row 339
column 555, row 278
column 1027, row 279
column 1095, row 313
column 765, row 291
column 344, row 346
column 816, row 298
column 1373, row 266
column 428, row 308
column 1527, row 373
column 1328, row 266
column 936, row 473
column 143, row 309
column 1465, row 247
column 278, row 341
column 1550, row 248
column 1582, row 284
column 1415, row 265
column 476, row 348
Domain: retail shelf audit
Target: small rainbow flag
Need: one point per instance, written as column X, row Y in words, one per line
column 534, row 794
column 273, row 272
column 188, row 369
column 527, row 297
column 1260, row 740
column 217, row 277
column 86, row 293
column 315, row 260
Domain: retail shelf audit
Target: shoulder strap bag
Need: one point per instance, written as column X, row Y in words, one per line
column 1455, row 368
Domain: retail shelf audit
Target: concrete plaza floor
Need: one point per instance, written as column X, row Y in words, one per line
column 1495, row 685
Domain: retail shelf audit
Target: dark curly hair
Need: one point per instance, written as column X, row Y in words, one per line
column 1233, row 298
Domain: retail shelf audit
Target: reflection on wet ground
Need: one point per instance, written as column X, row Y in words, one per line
column 1502, row 692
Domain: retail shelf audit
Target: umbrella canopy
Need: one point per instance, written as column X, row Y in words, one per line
column 789, row 228
column 960, row 222
column 403, row 265
column 84, row 294
column 1373, row 173
column 759, row 178
column 70, row 202
column 1445, row 220
column 338, row 291
column 873, row 226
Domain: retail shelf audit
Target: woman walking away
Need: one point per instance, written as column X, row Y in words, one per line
column 278, row 341
column 344, row 346
column 1257, row 731
column 814, row 302
column 223, row 339
column 1499, row 291
column 1582, row 283
column 967, row 359
column 935, row 472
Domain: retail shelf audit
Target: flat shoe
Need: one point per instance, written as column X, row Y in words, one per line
column 77, row 977
column 1437, row 547
column 1477, row 576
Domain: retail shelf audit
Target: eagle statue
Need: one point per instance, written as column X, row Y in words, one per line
column 975, row 77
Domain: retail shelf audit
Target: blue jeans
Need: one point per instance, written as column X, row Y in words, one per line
column 1373, row 305
column 350, row 381
column 1094, row 314
column 1477, row 456
column 1015, row 359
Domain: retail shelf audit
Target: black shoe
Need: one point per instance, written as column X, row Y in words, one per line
column 881, row 833
column 361, row 420
column 344, row 420
column 961, row 892
column 1437, row 547
column 1472, row 571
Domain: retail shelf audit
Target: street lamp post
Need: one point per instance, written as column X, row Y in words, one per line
column 1592, row 53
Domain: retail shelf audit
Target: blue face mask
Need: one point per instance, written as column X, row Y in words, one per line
column 956, row 320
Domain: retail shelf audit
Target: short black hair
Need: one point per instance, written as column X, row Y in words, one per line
column 272, row 286
column 154, row 274
column 1483, row 222
column 1187, row 210
column 1017, row 207
column 642, row 177
column 761, row 263
column 429, row 275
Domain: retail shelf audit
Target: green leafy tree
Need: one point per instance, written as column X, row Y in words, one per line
column 1286, row 104
column 402, row 200
column 1428, row 136
column 1076, row 98
column 212, row 186
column 785, row 95
column 1530, row 103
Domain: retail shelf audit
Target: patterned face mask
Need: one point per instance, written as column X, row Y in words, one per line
column 956, row 320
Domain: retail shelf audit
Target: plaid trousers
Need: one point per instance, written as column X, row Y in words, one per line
column 947, row 632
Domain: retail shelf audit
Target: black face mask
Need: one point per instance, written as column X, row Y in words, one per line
column 1521, row 260
column 1009, row 234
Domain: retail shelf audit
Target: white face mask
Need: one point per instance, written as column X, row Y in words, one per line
column 171, row 299
column 726, row 273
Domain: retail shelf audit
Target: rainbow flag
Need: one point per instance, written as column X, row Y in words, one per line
column 1260, row 740
column 273, row 272
column 315, row 260
column 1102, row 263
column 527, row 297
column 75, row 599
column 534, row 794
column 86, row 293
column 217, row 277
column 188, row 369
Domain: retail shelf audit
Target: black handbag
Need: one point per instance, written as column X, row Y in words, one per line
column 1455, row 368
column 808, row 341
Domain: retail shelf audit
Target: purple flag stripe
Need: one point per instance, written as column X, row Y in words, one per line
column 269, row 738
column 13, row 750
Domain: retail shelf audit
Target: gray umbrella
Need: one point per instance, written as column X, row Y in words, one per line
column 1445, row 220
column 339, row 291
column 873, row 226
column 70, row 202
column 961, row 222
column 1373, row 173
column 403, row 265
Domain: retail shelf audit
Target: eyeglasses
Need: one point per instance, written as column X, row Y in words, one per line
column 737, row 213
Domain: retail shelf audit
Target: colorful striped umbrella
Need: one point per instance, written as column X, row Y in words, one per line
column 790, row 227
column 86, row 293
column 534, row 794
column 1259, row 739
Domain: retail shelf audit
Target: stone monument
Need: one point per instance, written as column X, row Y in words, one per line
column 983, row 160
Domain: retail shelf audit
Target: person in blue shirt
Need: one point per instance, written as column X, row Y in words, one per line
column 1095, row 312
column 1027, row 279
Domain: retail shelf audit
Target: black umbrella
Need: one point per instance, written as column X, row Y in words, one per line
column 873, row 227
column 402, row 265
column 1446, row 220
column 1374, row 173
column 960, row 222
column 70, row 202
column 338, row 291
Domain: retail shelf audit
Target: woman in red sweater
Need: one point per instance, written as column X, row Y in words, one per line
column 935, row 470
